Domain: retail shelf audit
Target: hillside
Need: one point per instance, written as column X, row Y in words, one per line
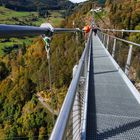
column 32, row 5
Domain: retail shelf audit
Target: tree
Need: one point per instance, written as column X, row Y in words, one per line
column 3, row 71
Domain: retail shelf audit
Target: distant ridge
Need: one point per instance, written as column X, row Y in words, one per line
column 33, row 5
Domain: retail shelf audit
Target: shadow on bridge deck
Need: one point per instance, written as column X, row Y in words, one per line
column 91, row 114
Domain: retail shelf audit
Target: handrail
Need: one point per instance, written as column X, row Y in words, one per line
column 123, row 40
column 60, row 30
column 20, row 31
column 59, row 129
column 7, row 31
column 122, row 30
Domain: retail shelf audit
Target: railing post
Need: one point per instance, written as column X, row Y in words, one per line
column 127, row 66
column 98, row 33
column 107, row 46
column 104, row 39
column 114, row 48
column 100, row 36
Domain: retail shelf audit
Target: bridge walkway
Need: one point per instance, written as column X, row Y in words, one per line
column 113, row 110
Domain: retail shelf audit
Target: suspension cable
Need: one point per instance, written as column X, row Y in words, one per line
column 47, row 48
column 47, row 41
column 77, row 53
column 103, row 22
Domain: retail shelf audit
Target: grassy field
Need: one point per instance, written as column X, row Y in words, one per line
column 8, row 16
column 55, row 18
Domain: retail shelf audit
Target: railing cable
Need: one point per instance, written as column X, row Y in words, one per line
column 121, row 30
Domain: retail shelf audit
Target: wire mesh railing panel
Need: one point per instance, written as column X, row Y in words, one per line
column 74, row 127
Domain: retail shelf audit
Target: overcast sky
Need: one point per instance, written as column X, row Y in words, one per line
column 77, row 1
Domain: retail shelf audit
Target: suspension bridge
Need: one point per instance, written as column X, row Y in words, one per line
column 101, row 102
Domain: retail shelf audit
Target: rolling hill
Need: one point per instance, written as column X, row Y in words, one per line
column 32, row 5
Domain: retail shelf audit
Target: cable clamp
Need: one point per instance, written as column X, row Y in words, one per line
column 47, row 41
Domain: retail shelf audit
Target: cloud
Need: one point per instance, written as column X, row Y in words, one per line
column 77, row 1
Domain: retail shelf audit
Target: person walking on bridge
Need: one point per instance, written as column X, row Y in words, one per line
column 86, row 30
column 95, row 30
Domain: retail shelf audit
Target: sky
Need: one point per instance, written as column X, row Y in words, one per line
column 77, row 1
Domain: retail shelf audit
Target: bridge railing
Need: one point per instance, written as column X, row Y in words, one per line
column 71, row 122
column 110, row 39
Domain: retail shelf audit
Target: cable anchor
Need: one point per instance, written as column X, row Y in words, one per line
column 47, row 41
